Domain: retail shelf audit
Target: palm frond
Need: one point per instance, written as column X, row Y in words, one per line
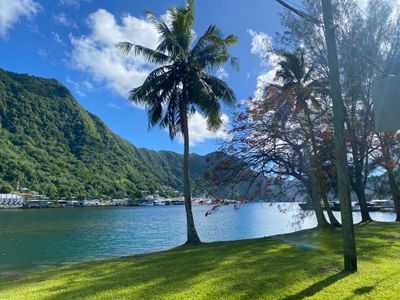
column 167, row 42
column 212, row 49
column 182, row 25
column 211, row 110
column 183, row 66
column 212, row 34
column 154, row 114
column 125, row 47
column 220, row 89
column 150, row 91
column 152, row 56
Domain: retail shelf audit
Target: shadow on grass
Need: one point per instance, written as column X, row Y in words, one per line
column 319, row 286
column 252, row 269
column 211, row 271
column 363, row 290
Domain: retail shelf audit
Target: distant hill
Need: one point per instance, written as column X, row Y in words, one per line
column 50, row 144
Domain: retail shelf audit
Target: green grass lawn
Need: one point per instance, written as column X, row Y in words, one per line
column 293, row 266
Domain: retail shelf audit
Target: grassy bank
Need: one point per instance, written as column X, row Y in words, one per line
column 294, row 266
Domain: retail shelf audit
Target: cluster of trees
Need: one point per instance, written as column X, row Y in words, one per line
column 287, row 132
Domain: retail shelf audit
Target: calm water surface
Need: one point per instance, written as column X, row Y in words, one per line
column 32, row 239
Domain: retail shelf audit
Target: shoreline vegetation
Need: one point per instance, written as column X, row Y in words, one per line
column 291, row 266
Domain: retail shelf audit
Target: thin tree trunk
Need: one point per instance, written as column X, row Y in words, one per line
column 358, row 152
column 394, row 189
column 192, row 236
column 332, row 219
column 358, row 185
column 316, row 168
column 316, row 203
column 349, row 243
column 395, row 193
column 362, row 200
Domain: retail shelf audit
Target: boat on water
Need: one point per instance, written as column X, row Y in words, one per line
column 145, row 203
column 383, row 205
column 372, row 206
column 159, row 203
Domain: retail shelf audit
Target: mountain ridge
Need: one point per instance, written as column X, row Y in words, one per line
column 51, row 144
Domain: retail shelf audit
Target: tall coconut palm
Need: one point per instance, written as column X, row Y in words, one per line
column 183, row 83
column 297, row 94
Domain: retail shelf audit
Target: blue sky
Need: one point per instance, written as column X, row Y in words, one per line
column 72, row 41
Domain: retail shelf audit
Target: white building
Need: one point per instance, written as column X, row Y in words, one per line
column 11, row 201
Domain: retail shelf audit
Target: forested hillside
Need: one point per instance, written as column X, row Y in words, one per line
column 50, row 144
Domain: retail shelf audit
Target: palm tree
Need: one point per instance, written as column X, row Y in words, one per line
column 297, row 94
column 183, row 83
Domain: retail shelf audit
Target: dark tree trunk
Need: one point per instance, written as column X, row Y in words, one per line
column 320, row 179
column 362, row 199
column 332, row 219
column 358, row 185
column 316, row 203
column 192, row 236
column 349, row 243
column 395, row 191
column 395, row 194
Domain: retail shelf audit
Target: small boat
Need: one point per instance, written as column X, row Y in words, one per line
column 158, row 203
column 145, row 203
column 373, row 206
column 382, row 205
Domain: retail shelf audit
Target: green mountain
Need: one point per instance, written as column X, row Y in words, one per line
column 50, row 144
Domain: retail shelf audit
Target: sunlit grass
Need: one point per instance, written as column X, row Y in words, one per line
column 294, row 266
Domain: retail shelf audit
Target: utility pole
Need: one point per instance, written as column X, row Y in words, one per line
column 349, row 244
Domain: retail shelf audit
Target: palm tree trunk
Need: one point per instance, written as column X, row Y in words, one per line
column 192, row 236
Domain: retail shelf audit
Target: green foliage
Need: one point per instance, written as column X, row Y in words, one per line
column 182, row 83
column 50, row 144
column 306, row 264
column 5, row 188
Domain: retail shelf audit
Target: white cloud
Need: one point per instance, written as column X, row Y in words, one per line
column 11, row 11
column 261, row 45
column 81, row 87
column 62, row 19
column 199, row 133
column 73, row 3
column 57, row 38
column 42, row 53
column 96, row 52
column 263, row 80
column 222, row 74
column 113, row 106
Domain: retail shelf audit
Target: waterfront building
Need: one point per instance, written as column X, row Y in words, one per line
column 11, row 201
